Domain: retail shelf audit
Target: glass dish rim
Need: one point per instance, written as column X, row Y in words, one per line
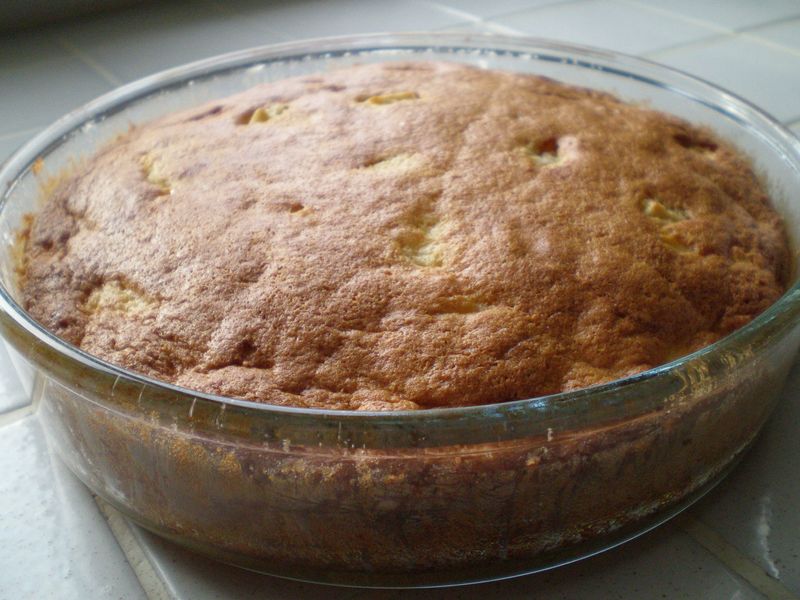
column 776, row 317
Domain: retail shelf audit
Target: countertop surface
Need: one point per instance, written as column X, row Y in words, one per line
column 58, row 541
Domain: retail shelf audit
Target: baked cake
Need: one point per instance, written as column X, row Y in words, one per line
column 403, row 236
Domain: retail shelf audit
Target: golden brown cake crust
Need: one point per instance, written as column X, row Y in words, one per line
column 404, row 235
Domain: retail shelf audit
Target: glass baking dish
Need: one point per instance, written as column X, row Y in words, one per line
column 414, row 498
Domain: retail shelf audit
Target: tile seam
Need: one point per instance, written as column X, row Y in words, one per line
column 735, row 560
column 500, row 28
column 769, row 43
column 486, row 24
column 693, row 43
column 699, row 43
column 770, row 23
column 153, row 585
column 13, row 134
column 749, row 33
column 17, row 414
column 88, row 60
column 533, row 9
column 676, row 15
column 455, row 12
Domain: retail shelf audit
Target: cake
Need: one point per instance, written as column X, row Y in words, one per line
column 404, row 236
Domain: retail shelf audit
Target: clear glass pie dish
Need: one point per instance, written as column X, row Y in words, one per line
column 404, row 498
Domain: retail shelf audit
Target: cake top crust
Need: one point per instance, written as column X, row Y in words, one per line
column 402, row 236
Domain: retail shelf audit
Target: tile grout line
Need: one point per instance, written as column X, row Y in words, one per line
column 12, row 416
column 531, row 9
column 29, row 409
column 770, row 23
column 504, row 29
column 697, row 43
column 488, row 21
column 676, row 15
column 731, row 557
column 769, row 43
column 153, row 586
column 744, row 29
column 746, row 32
column 489, row 25
column 455, row 12
column 732, row 34
column 13, row 134
column 88, row 60
column 792, row 121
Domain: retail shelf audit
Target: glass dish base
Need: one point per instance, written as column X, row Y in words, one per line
column 500, row 570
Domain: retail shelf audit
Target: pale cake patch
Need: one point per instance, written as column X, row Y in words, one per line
column 390, row 98
column 420, row 242
column 154, row 173
column 262, row 114
column 459, row 305
column 654, row 208
column 119, row 298
column 552, row 152
column 399, row 163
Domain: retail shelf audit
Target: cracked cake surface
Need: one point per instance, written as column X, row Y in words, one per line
column 402, row 236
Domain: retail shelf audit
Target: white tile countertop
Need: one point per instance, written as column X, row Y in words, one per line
column 57, row 541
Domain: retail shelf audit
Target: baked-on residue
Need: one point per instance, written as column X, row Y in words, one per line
column 404, row 235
